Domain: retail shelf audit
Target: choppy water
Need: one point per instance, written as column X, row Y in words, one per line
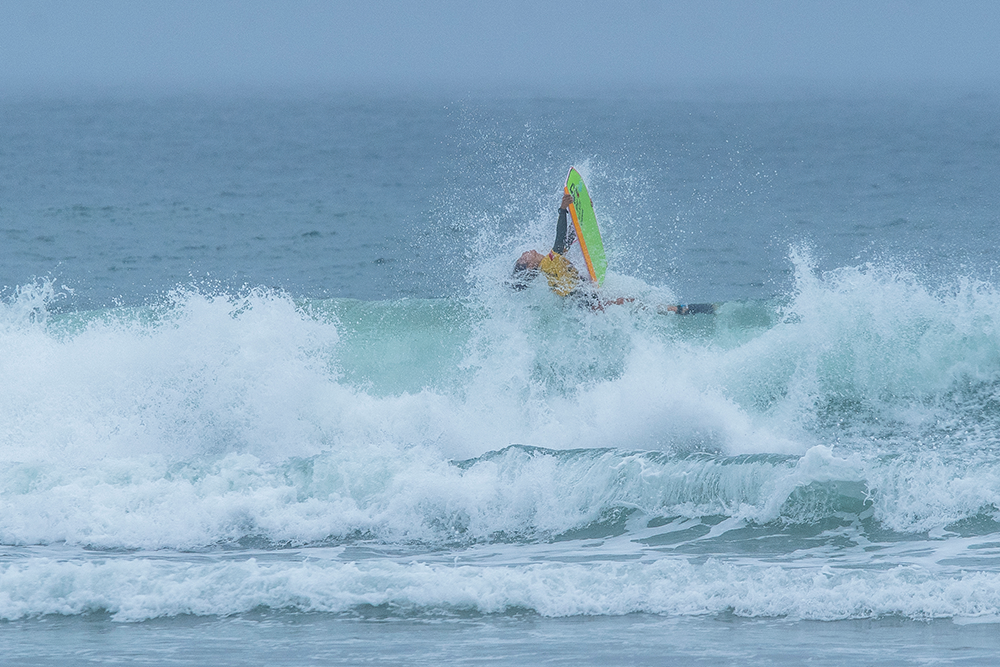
column 261, row 379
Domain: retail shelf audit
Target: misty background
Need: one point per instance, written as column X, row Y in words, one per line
column 400, row 45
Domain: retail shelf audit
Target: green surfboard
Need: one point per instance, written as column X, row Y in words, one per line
column 587, row 231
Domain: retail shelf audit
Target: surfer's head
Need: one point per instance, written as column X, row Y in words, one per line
column 525, row 269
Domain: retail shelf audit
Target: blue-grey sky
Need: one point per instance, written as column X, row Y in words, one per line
column 406, row 44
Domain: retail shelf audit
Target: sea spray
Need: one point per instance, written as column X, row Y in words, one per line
column 577, row 462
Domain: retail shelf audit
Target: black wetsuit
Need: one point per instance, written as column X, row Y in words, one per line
column 696, row 309
column 561, row 244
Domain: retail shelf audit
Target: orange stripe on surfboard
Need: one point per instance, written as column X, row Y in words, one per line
column 579, row 237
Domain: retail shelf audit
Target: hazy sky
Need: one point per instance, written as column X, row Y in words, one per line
column 207, row 44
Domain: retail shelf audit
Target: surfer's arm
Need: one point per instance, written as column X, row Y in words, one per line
column 561, row 245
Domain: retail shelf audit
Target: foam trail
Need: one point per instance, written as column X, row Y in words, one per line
column 134, row 590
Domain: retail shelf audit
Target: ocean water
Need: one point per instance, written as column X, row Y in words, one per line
column 265, row 397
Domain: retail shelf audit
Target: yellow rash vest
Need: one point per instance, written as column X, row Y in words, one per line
column 561, row 274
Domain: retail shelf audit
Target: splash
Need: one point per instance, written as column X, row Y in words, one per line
column 212, row 418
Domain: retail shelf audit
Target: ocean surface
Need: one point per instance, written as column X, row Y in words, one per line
column 267, row 398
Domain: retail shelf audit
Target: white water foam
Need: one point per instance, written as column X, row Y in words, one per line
column 137, row 589
column 211, row 419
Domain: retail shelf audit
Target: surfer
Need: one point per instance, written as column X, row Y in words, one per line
column 564, row 279
column 562, row 276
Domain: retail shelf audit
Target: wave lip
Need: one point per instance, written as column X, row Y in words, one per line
column 519, row 495
column 408, row 496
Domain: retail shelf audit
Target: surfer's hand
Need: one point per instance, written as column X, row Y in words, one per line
column 567, row 200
